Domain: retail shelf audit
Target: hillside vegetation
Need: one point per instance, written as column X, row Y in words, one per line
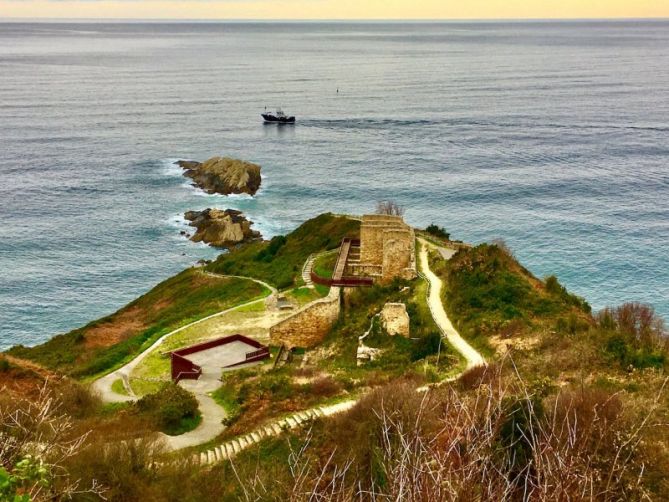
column 280, row 261
column 104, row 343
column 572, row 406
column 487, row 292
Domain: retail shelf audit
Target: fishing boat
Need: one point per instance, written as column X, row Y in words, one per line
column 277, row 118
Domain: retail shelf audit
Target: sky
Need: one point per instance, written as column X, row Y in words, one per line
column 334, row 9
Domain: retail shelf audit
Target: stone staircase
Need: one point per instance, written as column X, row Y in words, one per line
column 306, row 271
column 233, row 446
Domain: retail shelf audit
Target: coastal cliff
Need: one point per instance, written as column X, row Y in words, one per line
column 223, row 175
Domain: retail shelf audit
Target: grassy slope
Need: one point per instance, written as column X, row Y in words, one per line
column 188, row 296
column 282, row 267
column 111, row 340
column 487, row 292
column 490, row 294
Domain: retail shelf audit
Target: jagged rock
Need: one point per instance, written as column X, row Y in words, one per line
column 395, row 319
column 223, row 175
column 221, row 228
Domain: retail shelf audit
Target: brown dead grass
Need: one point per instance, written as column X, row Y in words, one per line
column 24, row 378
column 124, row 325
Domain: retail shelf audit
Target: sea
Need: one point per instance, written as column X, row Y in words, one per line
column 553, row 136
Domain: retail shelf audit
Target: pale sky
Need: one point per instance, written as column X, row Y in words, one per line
column 334, row 9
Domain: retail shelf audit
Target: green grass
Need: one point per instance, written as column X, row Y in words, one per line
column 280, row 261
column 304, row 295
column 118, row 387
column 488, row 292
column 324, row 265
column 186, row 424
column 143, row 387
column 186, row 297
column 226, row 397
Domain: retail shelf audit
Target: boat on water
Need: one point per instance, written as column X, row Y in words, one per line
column 277, row 118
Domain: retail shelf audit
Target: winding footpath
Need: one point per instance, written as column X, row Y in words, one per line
column 212, row 414
column 233, row 446
column 472, row 357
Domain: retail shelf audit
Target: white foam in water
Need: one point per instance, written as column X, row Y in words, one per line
column 170, row 168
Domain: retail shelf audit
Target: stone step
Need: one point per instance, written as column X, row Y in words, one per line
column 236, row 448
column 256, row 436
column 210, row 457
column 203, row 458
column 229, row 452
column 220, row 456
column 276, row 428
column 291, row 422
column 242, row 443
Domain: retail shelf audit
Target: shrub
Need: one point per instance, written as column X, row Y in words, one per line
column 437, row 231
column 477, row 376
column 426, row 346
column 172, row 407
column 634, row 335
column 4, row 365
column 324, row 387
column 268, row 253
column 389, row 207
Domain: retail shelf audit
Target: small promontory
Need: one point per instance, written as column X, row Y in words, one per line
column 221, row 228
column 223, row 175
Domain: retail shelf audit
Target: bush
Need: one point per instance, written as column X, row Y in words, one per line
column 554, row 288
column 634, row 335
column 426, row 346
column 477, row 376
column 324, row 387
column 268, row 253
column 438, row 231
column 4, row 365
column 172, row 407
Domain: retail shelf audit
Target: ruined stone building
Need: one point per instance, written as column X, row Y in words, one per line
column 387, row 249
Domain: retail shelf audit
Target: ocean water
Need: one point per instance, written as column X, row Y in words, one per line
column 552, row 136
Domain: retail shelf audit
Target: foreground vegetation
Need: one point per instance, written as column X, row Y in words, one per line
column 573, row 406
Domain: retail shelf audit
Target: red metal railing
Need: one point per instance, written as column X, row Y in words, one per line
column 338, row 278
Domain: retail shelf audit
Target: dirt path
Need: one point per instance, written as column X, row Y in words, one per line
column 472, row 357
column 233, row 446
column 212, row 414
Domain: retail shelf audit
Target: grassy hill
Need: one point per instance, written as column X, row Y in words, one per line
column 279, row 261
column 487, row 292
column 572, row 406
column 105, row 343
column 188, row 296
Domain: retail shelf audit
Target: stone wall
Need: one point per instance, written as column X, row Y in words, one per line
column 309, row 325
column 372, row 236
column 399, row 254
column 387, row 248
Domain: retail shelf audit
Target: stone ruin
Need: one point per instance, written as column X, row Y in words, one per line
column 395, row 319
column 387, row 249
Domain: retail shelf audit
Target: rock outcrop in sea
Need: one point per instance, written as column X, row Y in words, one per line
column 221, row 228
column 223, row 175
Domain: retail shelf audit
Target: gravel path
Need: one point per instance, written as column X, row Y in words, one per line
column 472, row 357
column 212, row 414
